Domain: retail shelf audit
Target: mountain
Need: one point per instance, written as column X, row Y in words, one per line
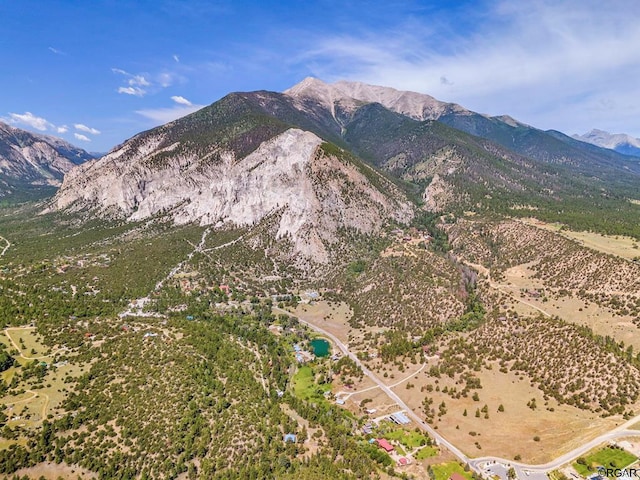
column 546, row 146
column 321, row 158
column 620, row 142
column 232, row 165
column 31, row 163
column 175, row 274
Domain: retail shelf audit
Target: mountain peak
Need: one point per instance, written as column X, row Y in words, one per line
column 418, row 106
column 306, row 85
column 620, row 142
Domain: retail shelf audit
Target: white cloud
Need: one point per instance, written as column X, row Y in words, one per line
column 42, row 124
column 84, row 128
column 140, row 84
column 161, row 116
column 181, row 100
column 137, row 91
column 138, row 80
column 56, row 51
column 33, row 121
column 552, row 64
column 166, row 79
column 134, row 82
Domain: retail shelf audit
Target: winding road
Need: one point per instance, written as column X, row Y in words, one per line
column 476, row 464
column 6, row 247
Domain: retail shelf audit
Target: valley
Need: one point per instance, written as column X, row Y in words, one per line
column 159, row 310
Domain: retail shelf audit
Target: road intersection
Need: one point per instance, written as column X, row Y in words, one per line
column 481, row 465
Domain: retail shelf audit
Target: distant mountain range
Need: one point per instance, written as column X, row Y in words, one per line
column 321, row 158
column 32, row 164
column 620, row 142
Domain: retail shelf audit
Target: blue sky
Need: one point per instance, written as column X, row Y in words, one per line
column 97, row 72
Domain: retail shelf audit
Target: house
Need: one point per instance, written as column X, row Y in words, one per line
column 456, row 476
column 386, row 446
column 225, row 289
column 290, row 437
column 402, row 461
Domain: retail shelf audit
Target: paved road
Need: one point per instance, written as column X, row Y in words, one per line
column 390, row 393
column 478, row 464
column 619, row 432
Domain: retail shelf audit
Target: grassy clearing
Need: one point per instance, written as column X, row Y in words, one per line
column 26, row 339
column 444, row 470
column 619, row 245
column 39, row 398
column 607, row 457
column 305, row 387
column 4, row 443
column 8, row 375
column 408, row 439
column 560, row 430
column 426, row 452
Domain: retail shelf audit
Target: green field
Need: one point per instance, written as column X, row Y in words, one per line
column 304, row 386
column 426, row 452
column 444, row 470
column 607, row 457
column 409, row 439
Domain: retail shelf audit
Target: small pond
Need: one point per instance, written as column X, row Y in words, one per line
column 320, row 347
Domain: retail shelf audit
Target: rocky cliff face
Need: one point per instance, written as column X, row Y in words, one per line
column 313, row 193
column 30, row 159
column 297, row 159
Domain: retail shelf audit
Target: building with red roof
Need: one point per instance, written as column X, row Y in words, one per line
column 456, row 476
column 385, row 445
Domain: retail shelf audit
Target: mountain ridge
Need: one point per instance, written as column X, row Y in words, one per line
column 236, row 162
column 30, row 162
column 548, row 146
column 619, row 142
